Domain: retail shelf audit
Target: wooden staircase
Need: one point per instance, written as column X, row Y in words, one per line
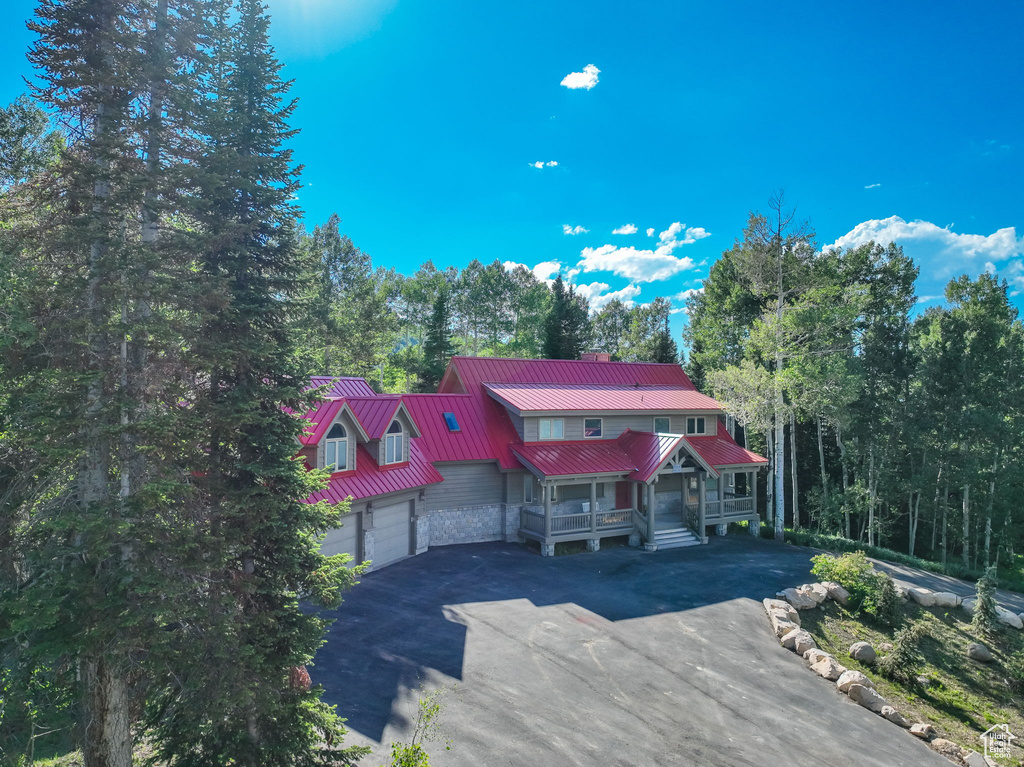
column 675, row 538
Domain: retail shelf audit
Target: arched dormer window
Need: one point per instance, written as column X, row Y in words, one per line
column 336, row 449
column 394, row 444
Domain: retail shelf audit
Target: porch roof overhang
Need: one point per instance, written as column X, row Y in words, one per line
column 721, row 451
column 563, row 459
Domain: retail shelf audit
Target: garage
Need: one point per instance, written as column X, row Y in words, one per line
column 344, row 539
column 392, row 532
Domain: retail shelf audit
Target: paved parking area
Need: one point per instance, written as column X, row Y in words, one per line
column 622, row 657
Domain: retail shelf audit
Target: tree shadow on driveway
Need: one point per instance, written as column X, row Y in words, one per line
column 403, row 624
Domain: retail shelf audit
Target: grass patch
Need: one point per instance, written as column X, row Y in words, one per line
column 1011, row 573
column 962, row 698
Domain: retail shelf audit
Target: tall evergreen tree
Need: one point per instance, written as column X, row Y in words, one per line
column 437, row 347
column 567, row 329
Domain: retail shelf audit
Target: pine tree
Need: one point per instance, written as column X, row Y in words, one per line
column 567, row 329
column 261, row 549
column 438, row 347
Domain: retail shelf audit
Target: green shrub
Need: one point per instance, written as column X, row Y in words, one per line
column 1015, row 671
column 851, row 571
column 903, row 663
column 986, row 619
column 883, row 602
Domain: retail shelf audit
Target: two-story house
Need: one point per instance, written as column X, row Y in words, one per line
column 513, row 449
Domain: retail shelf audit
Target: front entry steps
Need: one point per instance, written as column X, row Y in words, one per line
column 675, row 538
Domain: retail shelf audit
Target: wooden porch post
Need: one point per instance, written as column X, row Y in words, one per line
column 593, row 505
column 755, row 525
column 701, row 492
column 546, row 489
column 650, row 510
column 632, row 496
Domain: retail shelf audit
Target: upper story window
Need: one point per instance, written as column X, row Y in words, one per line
column 696, row 425
column 662, row 425
column 394, row 444
column 527, row 488
column 552, row 428
column 593, row 427
column 336, row 449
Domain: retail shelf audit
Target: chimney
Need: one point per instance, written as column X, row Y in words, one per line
column 596, row 357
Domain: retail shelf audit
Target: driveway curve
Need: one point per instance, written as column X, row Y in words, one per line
column 620, row 657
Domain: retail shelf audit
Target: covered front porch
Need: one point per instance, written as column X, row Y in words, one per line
column 651, row 513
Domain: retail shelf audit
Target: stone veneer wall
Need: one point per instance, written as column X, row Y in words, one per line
column 470, row 524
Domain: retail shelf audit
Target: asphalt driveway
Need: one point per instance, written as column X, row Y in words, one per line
column 622, row 657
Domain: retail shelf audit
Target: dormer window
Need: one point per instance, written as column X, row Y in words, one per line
column 394, row 444
column 695, row 425
column 336, row 449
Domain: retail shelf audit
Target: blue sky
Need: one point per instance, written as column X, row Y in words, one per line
column 422, row 121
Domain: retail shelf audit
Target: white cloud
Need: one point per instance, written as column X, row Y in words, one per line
column 872, row 186
column 596, row 295
column 566, row 229
column 586, row 79
column 650, row 232
column 942, row 250
column 625, row 229
column 645, row 265
column 542, row 271
column 542, row 164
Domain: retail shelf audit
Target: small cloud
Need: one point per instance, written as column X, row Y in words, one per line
column 598, row 296
column 650, row 232
column 625, row 229
column 566, row 229
column 542, row 164
column 586, row 79
column 872, row 186
column 541, row 271
column 645, row 265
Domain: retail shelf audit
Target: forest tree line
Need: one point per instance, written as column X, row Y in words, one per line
column 885, row 425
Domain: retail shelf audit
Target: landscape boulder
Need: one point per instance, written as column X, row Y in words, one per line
column 815, row 591
column 948, row 749
column 946, row 599
column 814, row 655
column 979, row 652
column 799, row 641
column 895, row 717
column 837, row 592
column 799, row 600
column 781, row 626
column 924, row 597
column 1011, row 619
column 968, row 605
column 867, row 697
column 863, row 652
column 923, row 731
column 974, row 759
column 902, row 591
column 771, row 605
column 850, row 678
column 828, row 667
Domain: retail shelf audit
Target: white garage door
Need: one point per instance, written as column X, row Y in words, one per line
column 344, row 539
column 392, row 532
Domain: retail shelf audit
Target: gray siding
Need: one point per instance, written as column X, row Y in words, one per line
column 515, row 486
column 613, row 425
column 517, row 422
column 466, row 484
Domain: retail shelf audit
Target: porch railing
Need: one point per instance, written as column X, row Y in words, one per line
column 693, row 517
column 640, row 523
column 602, row 522
column 727, row 509
column 532, row 521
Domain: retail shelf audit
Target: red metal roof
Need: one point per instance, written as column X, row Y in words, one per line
column 485, row 431
column 567, row 458
column 465, row 374
column 370, row 480
column 343, row 386
column 648, row 451
column 375, row 413
column 721, row 450
column 321, row 417
column 546, row 397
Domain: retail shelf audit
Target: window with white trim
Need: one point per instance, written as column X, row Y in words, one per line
column 696, row 425
column 551, row 428
column 593, row 428
column 527, row 488
column 662, row 425
column 394, row 444
column 336, row 449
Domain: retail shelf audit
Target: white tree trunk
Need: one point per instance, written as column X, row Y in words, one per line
column 793, row 473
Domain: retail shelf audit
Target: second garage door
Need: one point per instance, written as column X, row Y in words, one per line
column 392, row 532
column 344, row 539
